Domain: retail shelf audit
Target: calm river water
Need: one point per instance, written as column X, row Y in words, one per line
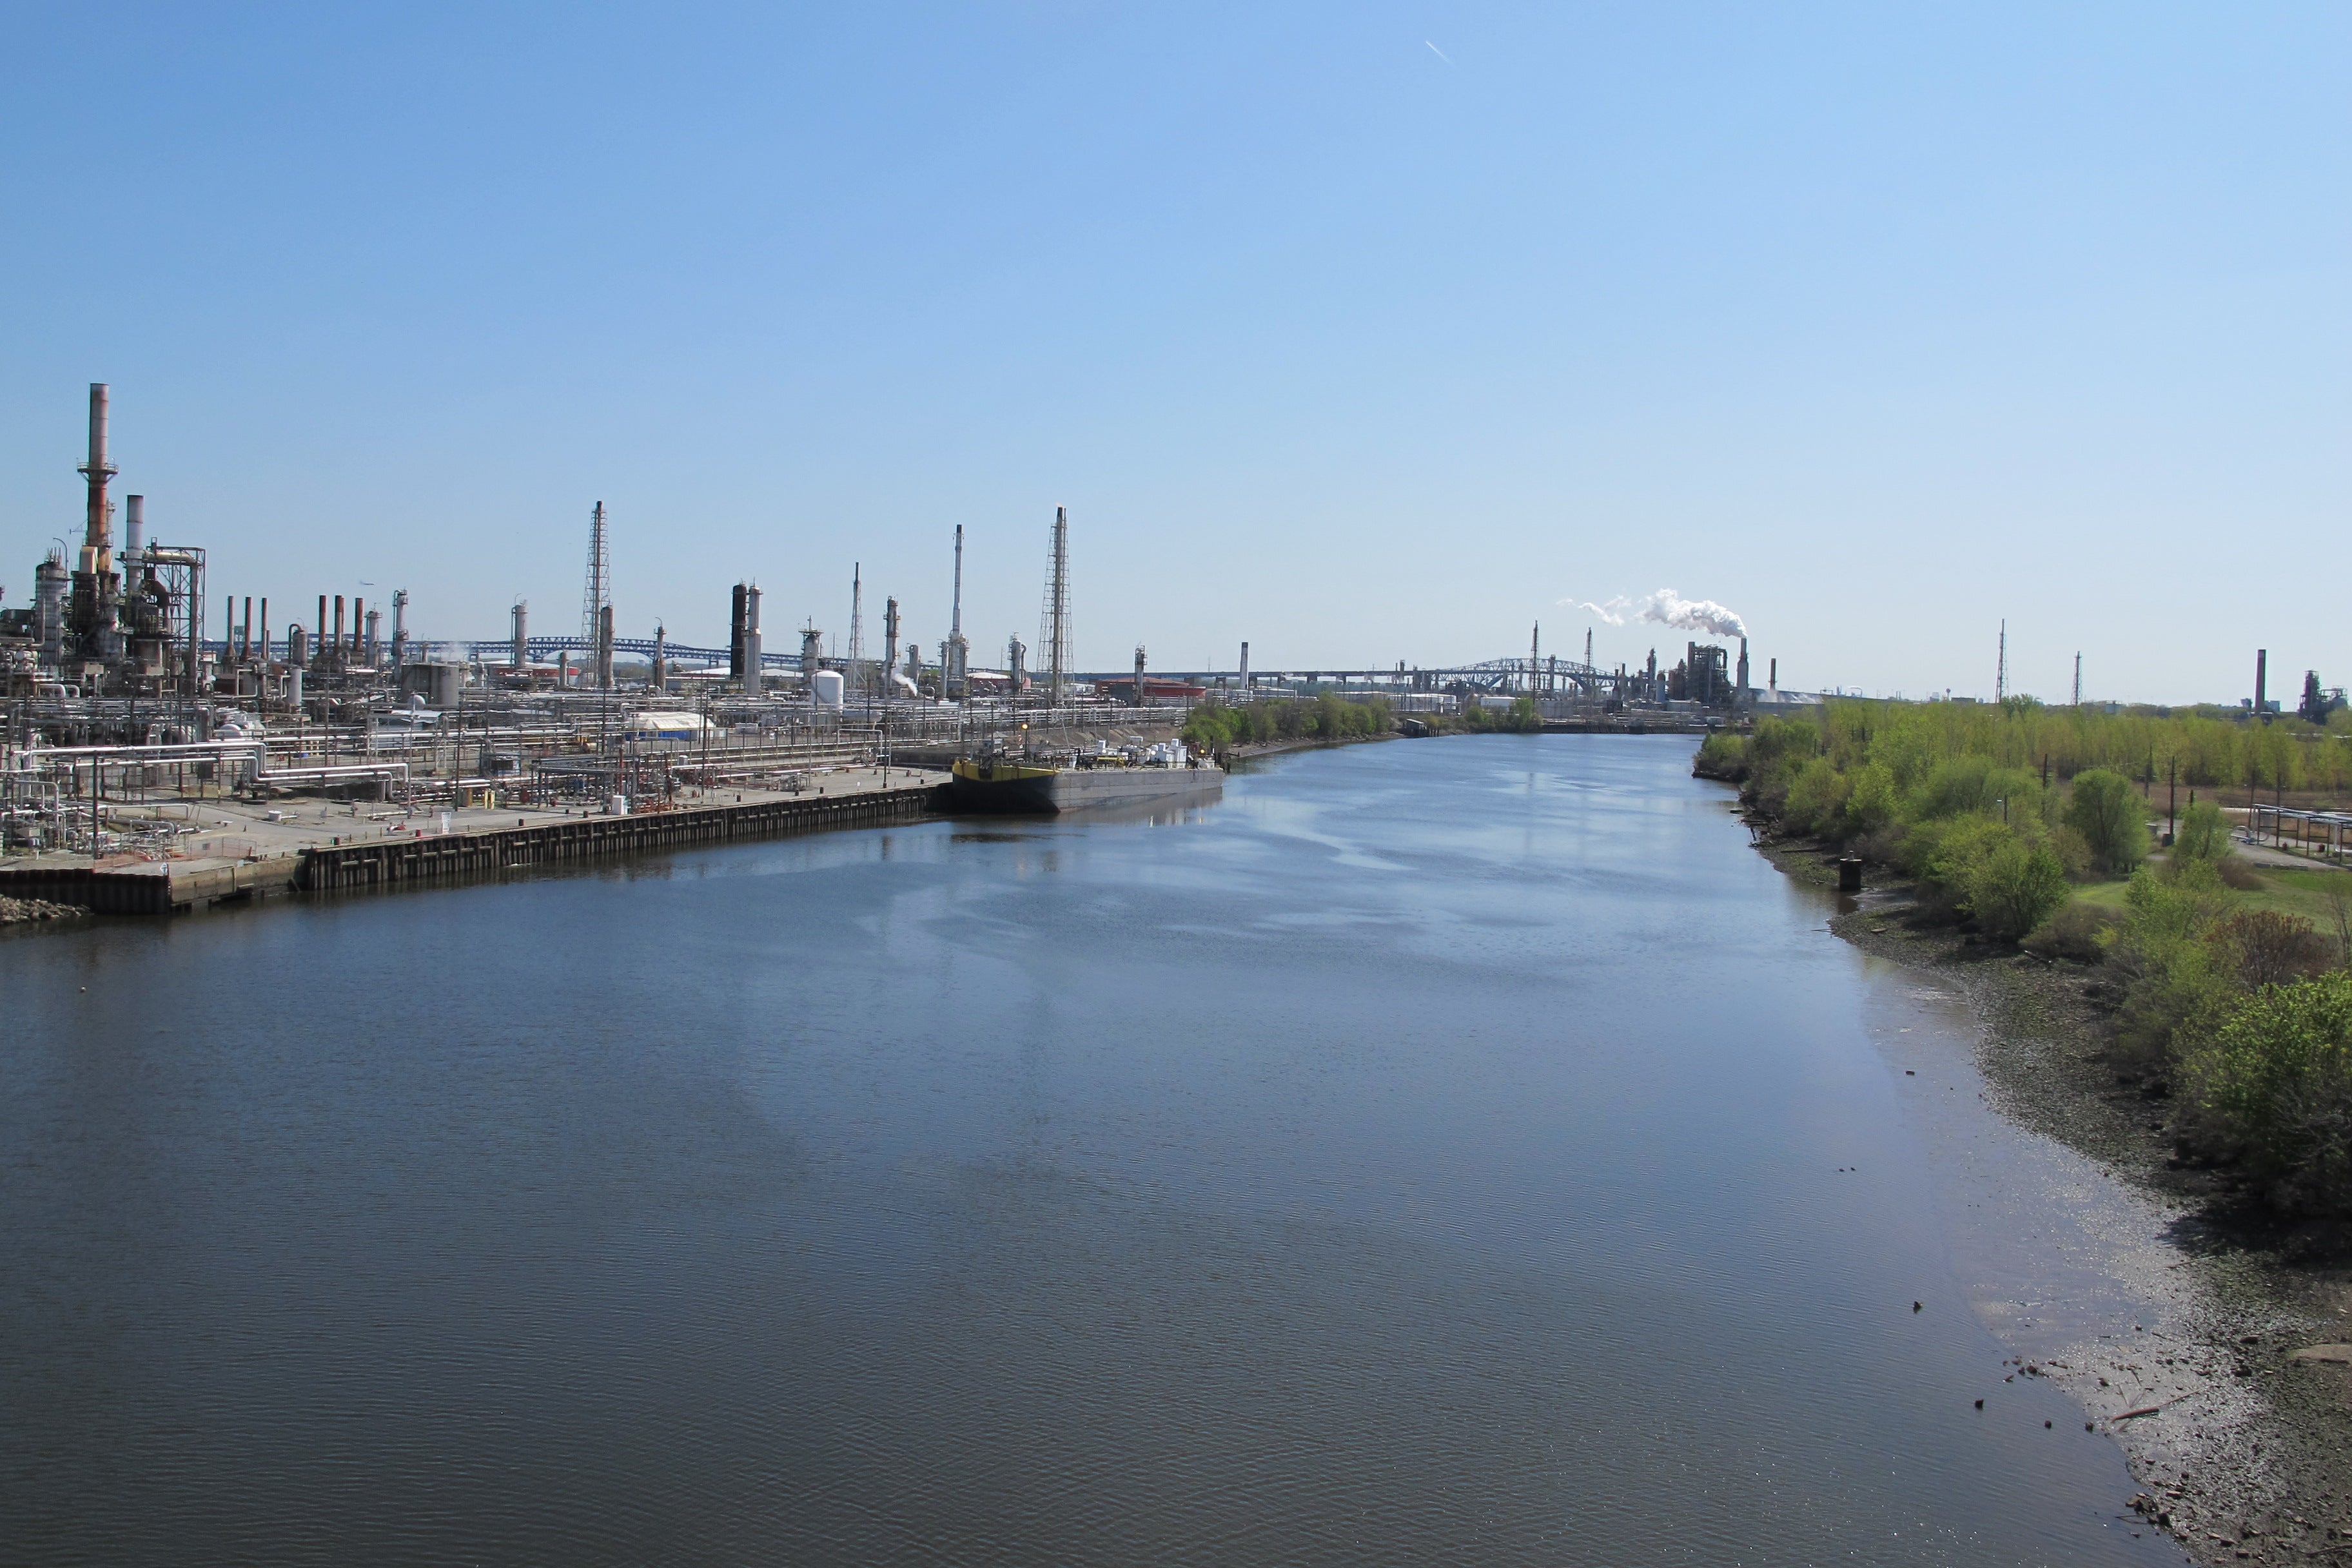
column 1451, row 1151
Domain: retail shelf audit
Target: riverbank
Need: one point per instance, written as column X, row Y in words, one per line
column 1256, row 749
column 2240, row 1438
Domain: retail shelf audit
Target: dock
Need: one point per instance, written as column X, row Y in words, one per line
column 239, row 853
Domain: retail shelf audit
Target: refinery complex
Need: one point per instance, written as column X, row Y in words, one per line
column 162, row 726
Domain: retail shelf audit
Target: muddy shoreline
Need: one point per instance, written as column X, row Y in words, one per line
column 2242, row 1449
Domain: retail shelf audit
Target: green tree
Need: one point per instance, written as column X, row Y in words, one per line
column 2015, row 888
column 2203, row 834
column 1871, row 803
column 2109, row 815
column 2275, row 1084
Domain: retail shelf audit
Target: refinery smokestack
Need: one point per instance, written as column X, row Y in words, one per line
column 134, row 528
column 955, row 660
column 99, row 530
column 1245, row 670
column 735, row 634
column 755, row 674
column 522, row 636
column 2261, row 680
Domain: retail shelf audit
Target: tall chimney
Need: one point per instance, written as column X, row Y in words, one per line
column 318, row 632
column 358, row 619
column 97, row 534
column 265, row 629
column 135, row 530
column 755, row 672
column 399, row 626
column 661, row 659
column 604, row 649
column 338, row 644
column 1245, row 670
column 522, row 636
column 955, row 605
column 889, row 642
column 735, row 632
column 368, row 646
column 2262, row 679
column 1743, row 668
column 955, row 660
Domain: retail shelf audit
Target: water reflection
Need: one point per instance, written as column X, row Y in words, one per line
column 1438, row 1152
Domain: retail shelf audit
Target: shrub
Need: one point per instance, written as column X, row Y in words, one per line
column 2203, row 833
column 2015, row 887
column 2074, row 852
column 1722, row 755
column 2176, row 982
column 2268, row 948
column 1953, row 787
column 1871, row 802
column 2275, row 1086
column 2109, row 815
column 1943, row 854
column 2235, row 873
column 2078, row 932
column 1816, row 796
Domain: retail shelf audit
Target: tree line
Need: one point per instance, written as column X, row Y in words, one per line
column 1218, row 727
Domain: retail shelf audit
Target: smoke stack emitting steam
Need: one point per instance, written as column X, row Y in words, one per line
column 1669, row 608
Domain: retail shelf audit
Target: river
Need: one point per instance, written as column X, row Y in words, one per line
column 1463, row 1150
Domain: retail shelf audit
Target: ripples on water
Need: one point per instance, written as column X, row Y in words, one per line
column 1431, row 1154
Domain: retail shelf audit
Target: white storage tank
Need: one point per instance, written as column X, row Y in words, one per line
column 826, row 685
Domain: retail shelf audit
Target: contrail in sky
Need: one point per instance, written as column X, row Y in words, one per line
column 1438, row 52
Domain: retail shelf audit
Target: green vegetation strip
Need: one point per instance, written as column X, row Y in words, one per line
column 2231, row 984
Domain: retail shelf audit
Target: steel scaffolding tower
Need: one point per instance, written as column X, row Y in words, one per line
column 1054, row 632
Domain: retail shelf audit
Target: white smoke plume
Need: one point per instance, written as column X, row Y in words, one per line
column 1668, row 608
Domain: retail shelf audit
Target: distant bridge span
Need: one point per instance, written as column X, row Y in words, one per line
column 1500, row 676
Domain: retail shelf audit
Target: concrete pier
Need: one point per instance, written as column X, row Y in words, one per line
column 458, row 856
column 230, row 850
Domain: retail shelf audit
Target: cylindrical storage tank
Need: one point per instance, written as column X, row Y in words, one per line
column 825, row 684
column 619, row 805
column 447, row 681
column 49, row 583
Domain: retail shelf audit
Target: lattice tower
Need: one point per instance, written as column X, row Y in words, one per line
column 599, row 592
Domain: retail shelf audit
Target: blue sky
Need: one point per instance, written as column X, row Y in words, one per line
column 1877, row 322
